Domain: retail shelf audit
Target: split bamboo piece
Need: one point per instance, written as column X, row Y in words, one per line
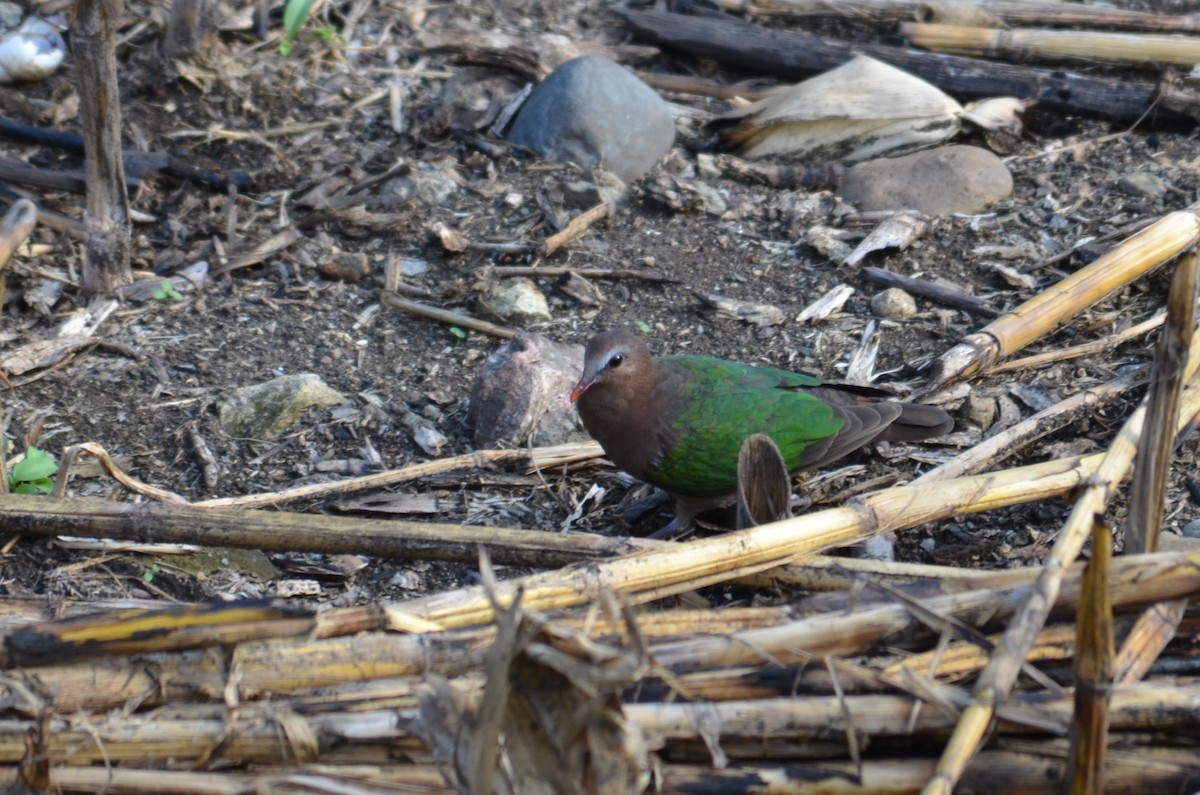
column 1053, row 44
column 1042, row 314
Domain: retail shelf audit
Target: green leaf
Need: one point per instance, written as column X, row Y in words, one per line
column 40, row 486
column 35, row 466
column 456, row 331
column 643, row 326
column 295, row 13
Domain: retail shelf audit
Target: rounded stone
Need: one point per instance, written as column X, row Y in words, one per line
column 596, row 113
column 894, row 304
column 950, row 179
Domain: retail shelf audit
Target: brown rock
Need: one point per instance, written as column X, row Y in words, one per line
column 950, row 179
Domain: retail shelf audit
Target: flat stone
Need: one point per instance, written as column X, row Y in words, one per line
column 1144, row 183
column 516, row 301
column 949, row 179
column 265, row 410
column 596, row 113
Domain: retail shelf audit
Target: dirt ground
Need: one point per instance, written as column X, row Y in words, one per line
column 317, row 124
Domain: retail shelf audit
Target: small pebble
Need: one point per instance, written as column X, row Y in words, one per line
column 894, row 304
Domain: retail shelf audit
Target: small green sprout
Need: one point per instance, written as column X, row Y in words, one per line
column 456, row 331
column 295, row 14
column 150, row 572
column 167, row 290
column 643, row 326
column 32, row 474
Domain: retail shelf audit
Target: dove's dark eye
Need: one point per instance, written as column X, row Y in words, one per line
column 615, row 360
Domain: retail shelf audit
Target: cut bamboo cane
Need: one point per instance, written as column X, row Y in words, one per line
column 1148, row 494
column 275, row 667
column 1109, row 343
column 1044, row 313
column 1012, row 12
column 1029, row 44
column 998, row 678
column 155, row 523
column 1093, row 670
column 374, row 734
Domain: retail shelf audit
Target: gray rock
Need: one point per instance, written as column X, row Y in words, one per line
column 262, row 411
column 522, row 394
column 516, row 301
column 894, row 304
column 430, row 182
column 1144, row 183
column 950, row 179
column 594, row 112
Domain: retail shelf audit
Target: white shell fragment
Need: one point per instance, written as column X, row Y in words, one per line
column 31, row 52
column 860, row 110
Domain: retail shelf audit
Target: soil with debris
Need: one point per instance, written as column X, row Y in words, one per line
column 315, row 133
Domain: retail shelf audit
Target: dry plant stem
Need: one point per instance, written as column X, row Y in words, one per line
column 448, row 317
column 575, row 228
column 339, row 652
column 93, row 28
column 1011, row 440
column 1156, row 626
column 1086, row 349
column 272, row 245
column 997, row 680
column 699, row 86
column 1052, row 44
column 355, row 733
column 185, row 524
column 1150, row 634
column 1093, row 670
column 1024, row 13
column 945, row 295
column 755, row 48
column 1148, row 493
column 590, row 273
column 678, row 568
column 1042, row 314
column 886, row 715
column 1026, row 772
column 536, row 458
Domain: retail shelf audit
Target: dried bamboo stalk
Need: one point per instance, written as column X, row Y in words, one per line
column 998, row 678
column 1156, row 627
column 1014, row 12
column 1011, row 440
column 1109, row 343
column 1093, row 670
column 279, row 666
column 1149, row 491
column 376, row 734
column 1042, row 314
column 678, row 568
column 1053, row 44
column 1032, row 771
